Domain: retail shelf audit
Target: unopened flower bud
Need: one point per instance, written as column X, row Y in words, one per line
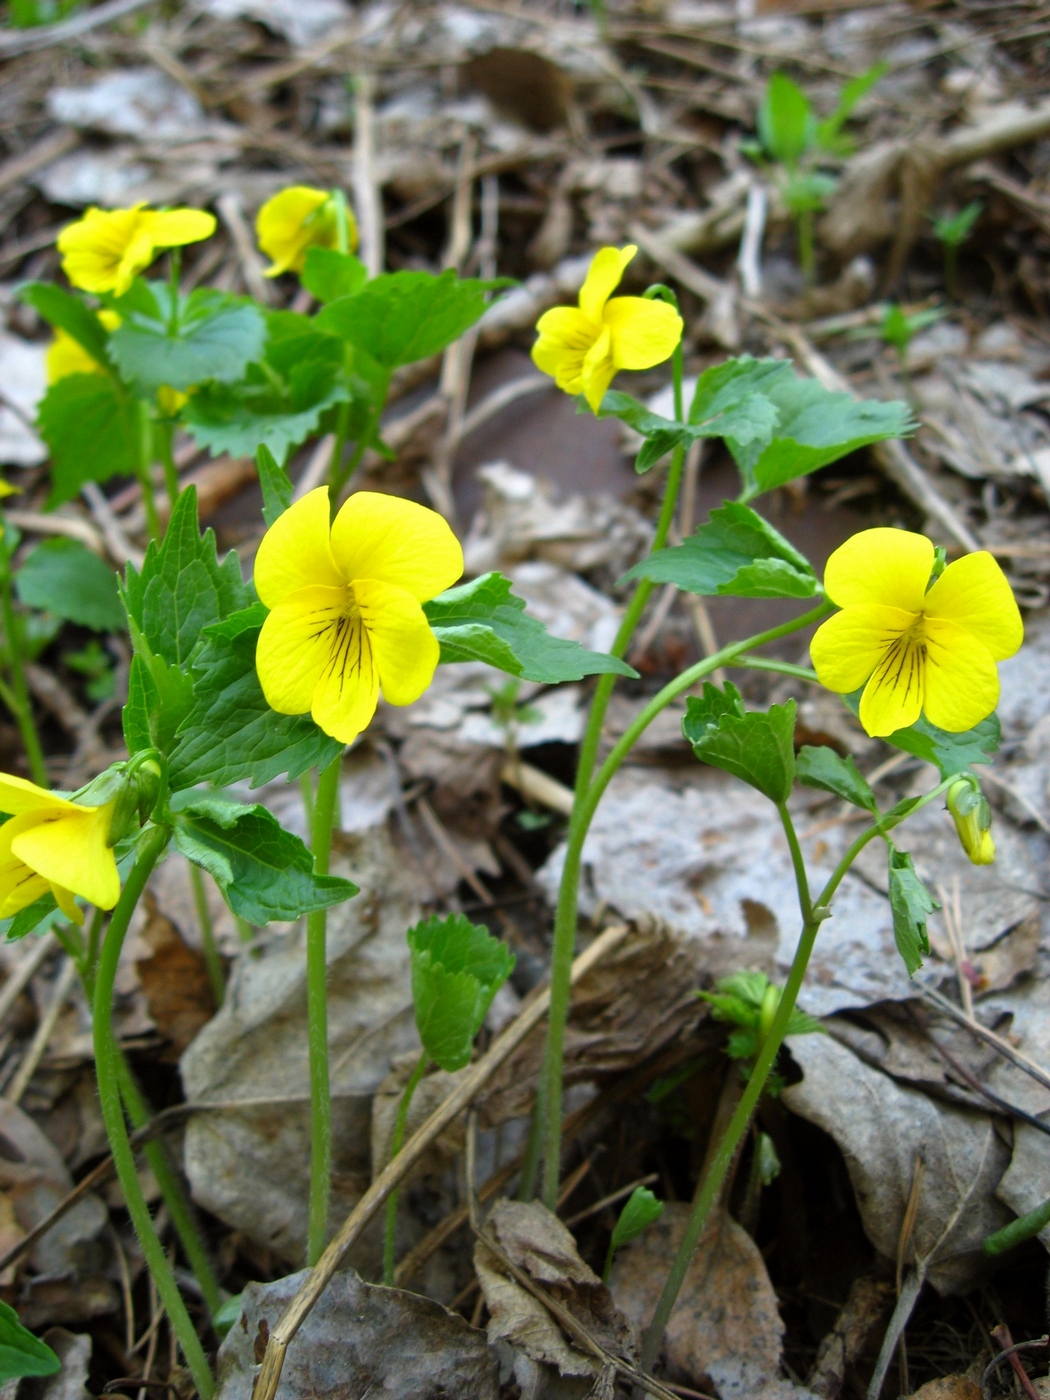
column 973, row 819
column 770, row 1002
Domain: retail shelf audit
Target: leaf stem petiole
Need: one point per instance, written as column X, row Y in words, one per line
column 397, row 1141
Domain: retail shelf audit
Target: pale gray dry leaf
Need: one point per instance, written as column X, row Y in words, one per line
column 24, row 377
column 74, row 1351
column 139, row 102
column 725, row 1326
column 301, row 22
column 360, row 1339
column 882, row 1128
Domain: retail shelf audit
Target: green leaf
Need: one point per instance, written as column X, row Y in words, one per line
column 141, row 710
column 457, row 968
column 208, row 335
column 484, row 621
column 829, row 135
column 264, row 872
column 37, row 917
column 955, row 229
column 786, row 125
column 276, row 486
column 949, row 753
column 91, row 430
column 64, row 577
column 328, row 274
column 641, row 1210
column 230, row 733
column 736, row 553
column 807, row 191
column 911, row 903
column 816, row 427
column 281, row 401
column 22, row 1354
column 825, row 769
column 754, row 745
column 401, row 317
column 67, row 313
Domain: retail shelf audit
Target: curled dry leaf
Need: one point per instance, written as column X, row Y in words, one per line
column 359, row 1340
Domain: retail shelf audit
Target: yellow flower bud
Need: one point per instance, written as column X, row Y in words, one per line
column 973, row 819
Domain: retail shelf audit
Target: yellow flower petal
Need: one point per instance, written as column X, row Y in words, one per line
column 105, row 249
column 19, row 886
column 406, row 651
column 174, row 228
column 295, row 552
column 66, row 902
column 565, row 337
column 397, row 542
column 890, row 567
column 894, row 696
column 603, row 277
column 644, row 333
column 598, row 371
column 962, row 683
column 6, row 489
column 348, row 691
column 18, row 795
column 66, row 356
column 295, row 645
column 974, row 593
column 70, row 849
column 293, row 221
column 847, row 648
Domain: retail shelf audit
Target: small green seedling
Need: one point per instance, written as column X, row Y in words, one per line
column 794, row 140
column 457, row 968
column 953, row 230
column 749, row 1000
column 765, row 1168
column 22, row 1354
column 641, row 1210
column 899, row 328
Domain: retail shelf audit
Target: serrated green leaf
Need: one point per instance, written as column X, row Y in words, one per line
column 736, row 553
column 754, row 745
column 209, row 335
column 786, row 124
column 64, row 577
column 825, row 769
column 140, row 712
column 67, row 313
column 276, row 486
column 401, row 317
column 641, row 1211
column 949, row 753
column 484, row 621
column 457, row 968
column 230, row 734
column 22, row 1354
column 90, row 426
column 911, row 903
column 328, row 274
column 815, row 427
column 264, row 872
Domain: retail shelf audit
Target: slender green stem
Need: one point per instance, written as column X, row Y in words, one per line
column 91, row 953
column 342, row 222
column 22, row 706
column 335, row 465
column 317, row 1022
column 162, row 441
column 107, row 1059
column 212, row 960
column 769, row 663
column 174, row 275
column 171, row 1190
column 814, row 915
column 584, row 807
column 306, row 787
column 397, row 1141
column 145, row 469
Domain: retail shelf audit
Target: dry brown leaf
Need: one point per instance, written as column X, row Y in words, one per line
column 948, row 1388
column 175, row 981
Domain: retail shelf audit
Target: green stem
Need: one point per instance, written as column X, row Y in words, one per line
column 785, row 668
column 145, row 469
column 162, row 441
column 342, row 222
column 171, row 1190
column 317, row 1022
column 339, row 475
column 18, row 700
column 212, row 960
column 107, row 1060
column 396, row 1144
column 813, row 916
column 335, row 465
column 91, row 953
column 306, row 787
column 584, row 807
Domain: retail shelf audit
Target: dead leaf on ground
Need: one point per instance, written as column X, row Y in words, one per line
column 175, row 981
column 948, row 1388
column 360, row 1339
column 74, row 1351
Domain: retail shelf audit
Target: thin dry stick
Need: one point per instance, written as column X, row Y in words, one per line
column 911, row 1214
column 951, row 910
column 157, row 1312
column 394, row 1173
column 63, row 986
column 20, row 978
column 231, row 212
column 611, row 1199
column 989, row 1037
column 368, row 202
column 125, row 1289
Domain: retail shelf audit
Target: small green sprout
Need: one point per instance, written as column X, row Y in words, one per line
column 641, row 1210
column 749, row 1000
column 952, row 230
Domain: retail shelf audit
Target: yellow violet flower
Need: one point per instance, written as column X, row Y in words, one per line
column 66, row 356
column 295, row 220
column 105, row 249
column 583, row 347
column 52, row 844
column 345, row 617
column 915, row 648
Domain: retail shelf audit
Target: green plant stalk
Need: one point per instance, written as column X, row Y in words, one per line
column 807, row 258
column 1019, row 1230
column 212, row 960
column 769, row 663
column 397, row 1141
column 584, row 807
column 342, row 222
column 107, row 1060
column 317, row 1022
column 144, row 470
column 814, row 915
column 306, row 787
column 548, row 1095
column 17, row 699
column 340, row 477
column 172, row 1193
column 162, row 439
